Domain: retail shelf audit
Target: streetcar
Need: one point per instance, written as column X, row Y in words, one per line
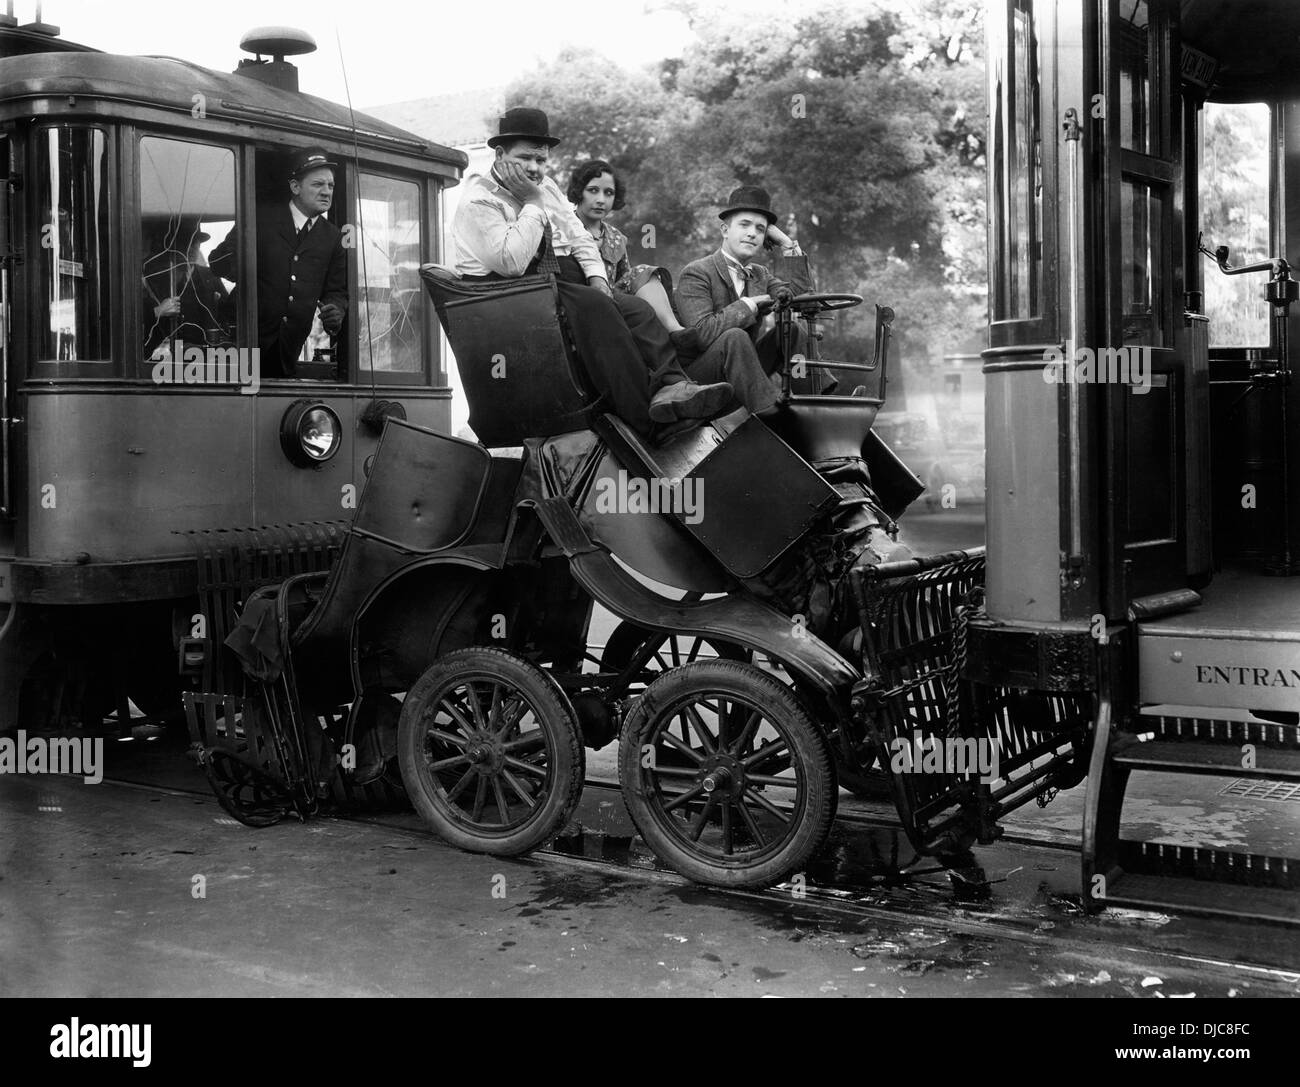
column 120, row 461
column 1142, row 420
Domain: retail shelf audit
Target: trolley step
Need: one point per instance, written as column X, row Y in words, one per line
column 1186, row 895
column 1189, row 878
column 1191, row 757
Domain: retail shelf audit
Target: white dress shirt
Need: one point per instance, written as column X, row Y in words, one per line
column 494, row 232
column 738, row 279
column 299, row 218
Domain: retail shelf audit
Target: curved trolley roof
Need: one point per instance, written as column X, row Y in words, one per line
column 55, row 82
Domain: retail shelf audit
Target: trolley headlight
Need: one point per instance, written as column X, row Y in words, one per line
column 310, row 433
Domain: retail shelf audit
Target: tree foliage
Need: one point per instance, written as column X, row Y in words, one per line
column 864, row 120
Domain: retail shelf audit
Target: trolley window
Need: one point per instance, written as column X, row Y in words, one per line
column 73, row 223
column 1234, row 203
column 187, row 208
column 391, row 332
column 1142, row 216
column 1015, row 140
column 1146, row 170
column 1135, row 132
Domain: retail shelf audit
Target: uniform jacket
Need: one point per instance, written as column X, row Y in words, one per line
column 707, row 299
column 293, row 275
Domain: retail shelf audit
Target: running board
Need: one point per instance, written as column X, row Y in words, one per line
column 1229, row 760
column 1183, row 895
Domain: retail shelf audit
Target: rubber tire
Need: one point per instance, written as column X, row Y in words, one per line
column 552, row 712
column 807, row 743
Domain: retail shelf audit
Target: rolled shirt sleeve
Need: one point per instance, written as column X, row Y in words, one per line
column 502, row 244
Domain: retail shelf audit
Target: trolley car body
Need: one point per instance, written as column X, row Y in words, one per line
column 1143, row 502
column 108, row 459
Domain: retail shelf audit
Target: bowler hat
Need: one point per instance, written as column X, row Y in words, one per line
column 522, row 123
column 749, row 198
column 308, row 159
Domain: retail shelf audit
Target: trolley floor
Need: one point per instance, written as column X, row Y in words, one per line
column 1239, row 604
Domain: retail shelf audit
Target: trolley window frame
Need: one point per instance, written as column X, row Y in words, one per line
column 137, row 363
column 430, row 372
column 1040, row 326
column 109, row 366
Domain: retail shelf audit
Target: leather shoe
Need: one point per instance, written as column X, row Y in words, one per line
column 687, row 400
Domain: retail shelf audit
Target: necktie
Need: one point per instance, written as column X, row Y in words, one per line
column 745, row 273
column 545, row 261
column 302, row 230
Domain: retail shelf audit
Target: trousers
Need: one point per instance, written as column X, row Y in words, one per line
column 624, row 348
column 732, row 357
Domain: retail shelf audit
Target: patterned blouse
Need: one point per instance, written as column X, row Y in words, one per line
column 612, row 244
column 619, row 270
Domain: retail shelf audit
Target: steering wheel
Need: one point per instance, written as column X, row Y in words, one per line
column 822, row 303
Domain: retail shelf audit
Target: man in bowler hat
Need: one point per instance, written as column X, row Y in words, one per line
column 727, row 290
column 300, row 264
column 515, row 221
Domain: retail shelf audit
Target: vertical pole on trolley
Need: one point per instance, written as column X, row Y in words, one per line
column 1073, row 134
column 1280, row 293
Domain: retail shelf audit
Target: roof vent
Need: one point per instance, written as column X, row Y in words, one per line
column 278, row 42
column 40, row 26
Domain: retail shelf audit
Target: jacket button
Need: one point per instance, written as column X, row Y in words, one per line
column 290, row 298
column 295, row 258
column 293, row 279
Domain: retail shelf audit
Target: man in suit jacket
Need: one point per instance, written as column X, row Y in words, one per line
column 300, row 264
column 726, row 290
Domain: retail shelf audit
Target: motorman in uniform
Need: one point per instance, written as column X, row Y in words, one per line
column 300, row 264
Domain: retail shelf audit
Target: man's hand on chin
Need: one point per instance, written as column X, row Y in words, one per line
column 515, row 179
column 601, row 284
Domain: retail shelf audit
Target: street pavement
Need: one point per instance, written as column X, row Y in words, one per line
column 123, row 890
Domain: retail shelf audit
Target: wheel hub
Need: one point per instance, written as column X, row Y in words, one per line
column 723, row 775
column 486, row 754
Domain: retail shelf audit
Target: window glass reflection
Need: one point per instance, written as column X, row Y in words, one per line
column 1016, row 146
column 1133, row 43
column 73, row 202
column 187, row 207
column 1142, row 243
column 392, row 315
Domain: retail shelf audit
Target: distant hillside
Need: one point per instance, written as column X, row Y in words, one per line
column 455, row 120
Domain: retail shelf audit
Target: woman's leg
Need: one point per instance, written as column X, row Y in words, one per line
column 654, row 293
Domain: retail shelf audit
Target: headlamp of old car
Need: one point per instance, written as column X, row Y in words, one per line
column 310, row 433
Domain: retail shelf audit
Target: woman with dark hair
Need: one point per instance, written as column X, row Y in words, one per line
column 595, row 191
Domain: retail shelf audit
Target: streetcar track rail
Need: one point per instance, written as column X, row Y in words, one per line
column 933, row 905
